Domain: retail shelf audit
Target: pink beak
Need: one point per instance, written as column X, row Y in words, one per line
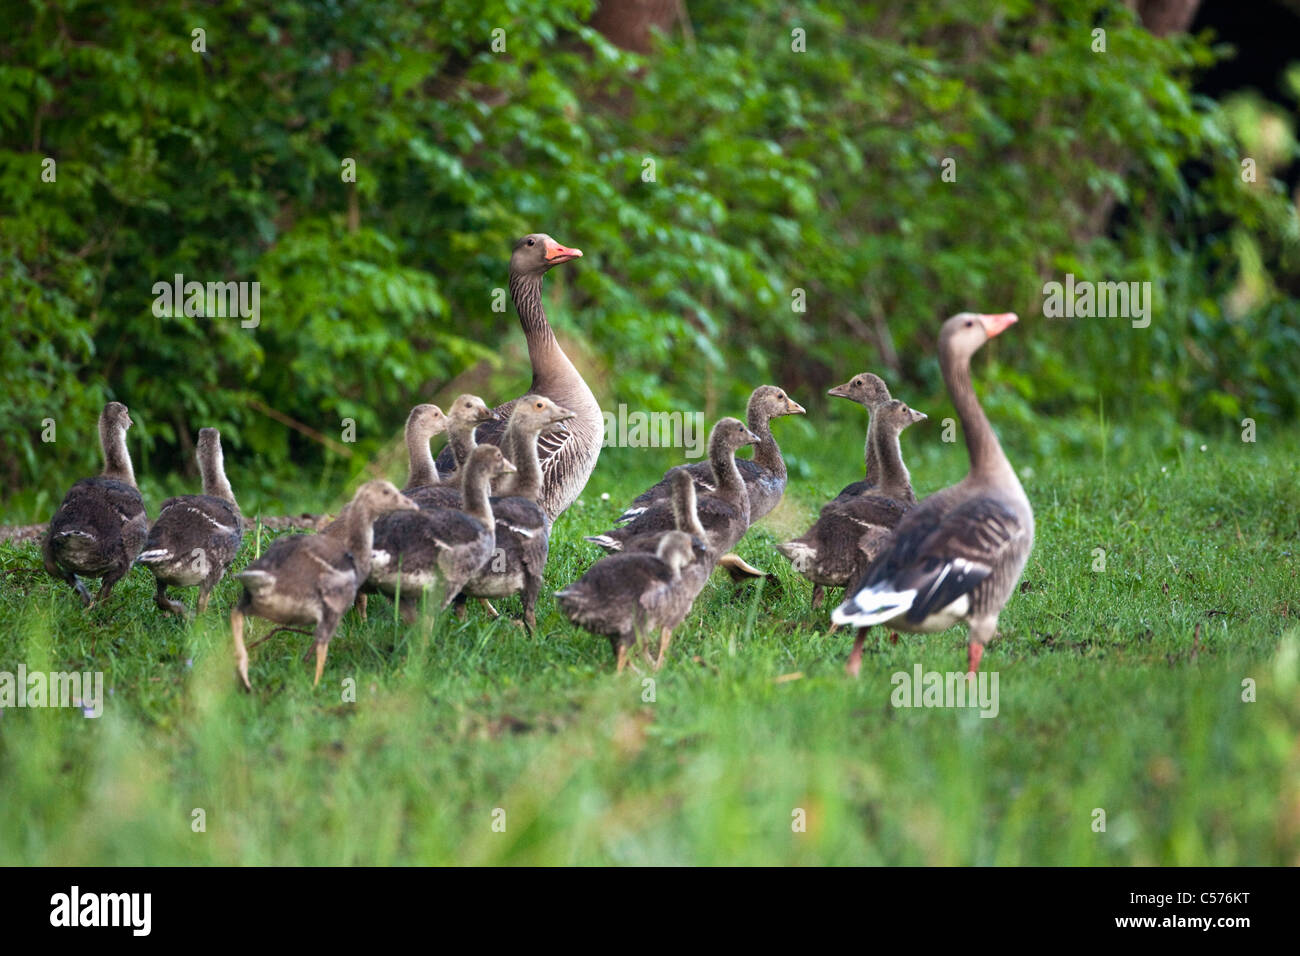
column 557, row 253
column 997, row 324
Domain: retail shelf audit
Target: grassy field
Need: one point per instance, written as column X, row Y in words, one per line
column 1120, row 690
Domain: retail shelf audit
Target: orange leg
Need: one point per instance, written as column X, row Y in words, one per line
column 854, row 664
column 976, row 651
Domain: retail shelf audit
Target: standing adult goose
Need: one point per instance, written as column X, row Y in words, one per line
column 568, row 457
column 850, row 532
column 958, row 554
column 439, row 546
column 869, row 391
column 764, row 474
column 522, row 531
column 196, row 536
column 723, row 513
column 627, row 596
column 100, row 526
column 309, row 580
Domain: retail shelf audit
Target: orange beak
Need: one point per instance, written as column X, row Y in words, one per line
column 997, row 324
column 556, row 253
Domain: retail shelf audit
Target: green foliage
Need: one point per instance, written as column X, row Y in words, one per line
column 774, row 171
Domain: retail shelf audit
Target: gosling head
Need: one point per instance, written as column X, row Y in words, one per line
column 896, row 415
column 425, row 421
column 768, row 401
column 866, row 389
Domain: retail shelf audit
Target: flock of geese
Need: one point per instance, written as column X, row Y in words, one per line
column 476, row 522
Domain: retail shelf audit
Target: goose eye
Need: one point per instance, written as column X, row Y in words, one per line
column 969, row 323
column 530, row 242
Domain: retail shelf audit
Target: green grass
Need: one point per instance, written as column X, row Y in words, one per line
column 1107, row 700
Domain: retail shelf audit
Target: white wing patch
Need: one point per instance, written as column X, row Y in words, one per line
column 874, row 606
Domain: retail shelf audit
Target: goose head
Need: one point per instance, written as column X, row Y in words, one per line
column 963, row 334
column 534, row 414
column 380, row 497
column 729, row 434
column 114, row 418
column 866, row 389
column 469, row 410
column 425, row 421
column 536, row 252
column 487, row 460
column 768, row 401
column 896, row 415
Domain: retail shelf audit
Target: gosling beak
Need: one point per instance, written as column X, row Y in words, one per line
column 507, row 467
column 997, row 324
column 751, row 438
column 918, row 416
column 556, row 253
column 794, row 408
column 840, row 391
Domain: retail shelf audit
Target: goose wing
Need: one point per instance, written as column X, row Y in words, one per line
column 934, row 559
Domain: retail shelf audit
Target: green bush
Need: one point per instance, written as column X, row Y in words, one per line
column 774, row 171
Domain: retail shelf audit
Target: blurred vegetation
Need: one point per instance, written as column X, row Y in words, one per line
column 774, row 171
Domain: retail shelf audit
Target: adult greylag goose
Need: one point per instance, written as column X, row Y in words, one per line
column 100, row 526
column 850, row 531
column 568, row 457
column 957, row 555
column 764, row 473
column 439, row 546
column 309, row 580
column 196, row 536
column 867, row 390
column 522, row 530
column 627, row 596
column 723, row 512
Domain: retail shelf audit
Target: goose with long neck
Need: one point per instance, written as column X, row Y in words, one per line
column 851, row 531
column 569, row 457
column 309, row 580
column 764, row 473
column 100, row 526
column 196, row 536
column 424, row 422
column 724, row 511
column 958, row 554
column 869, row 391
column 522, row 529
column 439, row 547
